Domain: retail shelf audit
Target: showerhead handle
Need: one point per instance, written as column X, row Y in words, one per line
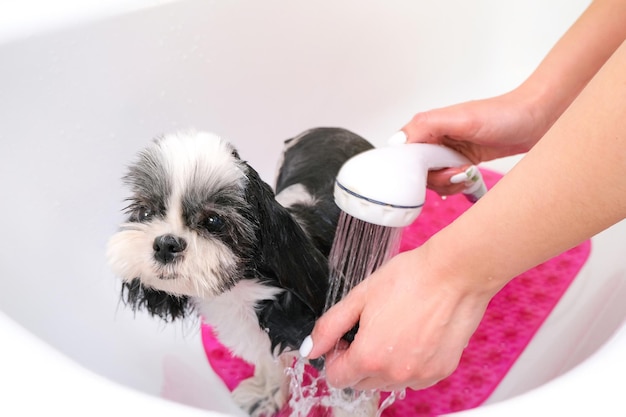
column 387, row 185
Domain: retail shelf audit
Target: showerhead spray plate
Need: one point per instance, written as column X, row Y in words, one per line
column 374, row 211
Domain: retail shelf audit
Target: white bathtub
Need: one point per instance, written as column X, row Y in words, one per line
column 82, row 91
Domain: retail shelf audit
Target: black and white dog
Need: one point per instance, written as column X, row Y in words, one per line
column 205, row 235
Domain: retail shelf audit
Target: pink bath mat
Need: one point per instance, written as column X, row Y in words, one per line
column 511, row 320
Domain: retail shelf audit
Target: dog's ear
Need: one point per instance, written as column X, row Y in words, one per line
column 158, row 303
column 286, row 251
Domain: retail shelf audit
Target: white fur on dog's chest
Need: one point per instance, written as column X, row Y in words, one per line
column 233, row 317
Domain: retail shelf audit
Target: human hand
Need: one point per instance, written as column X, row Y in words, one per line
column 413, row 327
column 481, row 130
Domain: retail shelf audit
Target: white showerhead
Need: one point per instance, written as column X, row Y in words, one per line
column 387, row 186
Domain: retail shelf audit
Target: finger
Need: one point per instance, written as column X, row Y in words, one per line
column 384, row 384
column 336, row 322
column 435, row 125
column 424, row 127
column 370, row 384
column 441, row 182
column 443, row 177
column 380, row 385
column 422, row 384
column 341, row 371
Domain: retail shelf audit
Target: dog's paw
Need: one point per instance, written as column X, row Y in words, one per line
column 259, row 397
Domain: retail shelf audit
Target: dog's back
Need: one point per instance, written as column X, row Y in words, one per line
column 306, row 179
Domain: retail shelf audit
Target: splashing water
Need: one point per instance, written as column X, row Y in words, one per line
column 311, row 396
column 358, row 249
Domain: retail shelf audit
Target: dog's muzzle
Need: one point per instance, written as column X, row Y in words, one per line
column 168, row 248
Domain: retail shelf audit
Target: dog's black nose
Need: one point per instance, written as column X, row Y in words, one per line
column 168, row 248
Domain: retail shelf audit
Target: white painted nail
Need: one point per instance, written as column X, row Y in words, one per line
column 306, row 347
column 397, row 138
column 459, row 178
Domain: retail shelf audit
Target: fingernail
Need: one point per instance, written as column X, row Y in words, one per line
column 397, row 138
column 471, row 174
column 306, row 347
column 459, row 178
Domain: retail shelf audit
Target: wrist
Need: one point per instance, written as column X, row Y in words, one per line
column 458, row 264
column 537, row 102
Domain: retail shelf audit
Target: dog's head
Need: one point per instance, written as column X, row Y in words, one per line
column 199, row 220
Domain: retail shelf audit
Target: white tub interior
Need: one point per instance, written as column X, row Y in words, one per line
column 77, row 102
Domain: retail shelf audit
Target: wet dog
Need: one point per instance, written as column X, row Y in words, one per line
column 206, row 235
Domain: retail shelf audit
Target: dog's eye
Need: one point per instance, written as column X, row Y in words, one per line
column 143, row 214
column 213, row 222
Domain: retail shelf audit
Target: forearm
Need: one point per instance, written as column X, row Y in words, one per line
column 569, row 187
column 574, row 60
